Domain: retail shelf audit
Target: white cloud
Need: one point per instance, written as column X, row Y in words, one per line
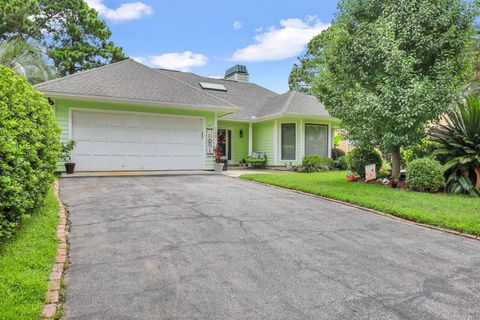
column 216, row 77
column 181, row 61
column 237, row 25
column 279, row 43
column 125, row 12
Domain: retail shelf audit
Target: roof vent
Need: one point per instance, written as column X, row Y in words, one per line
column 237, row 73
column 212, row 86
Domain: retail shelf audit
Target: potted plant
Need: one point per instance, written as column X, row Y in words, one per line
column 218, row 159
column 66, row 155
column 351, row 176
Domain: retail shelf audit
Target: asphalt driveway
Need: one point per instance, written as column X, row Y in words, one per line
column 214, row 247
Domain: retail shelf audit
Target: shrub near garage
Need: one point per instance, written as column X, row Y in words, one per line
column 29, row 149
column 360, row 157
column 425, row 175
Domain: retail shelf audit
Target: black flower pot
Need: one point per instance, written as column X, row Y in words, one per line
column 70, row 168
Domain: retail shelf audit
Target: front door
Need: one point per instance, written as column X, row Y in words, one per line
column 225, row 143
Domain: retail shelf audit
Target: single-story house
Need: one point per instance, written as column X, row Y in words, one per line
column 128, row 116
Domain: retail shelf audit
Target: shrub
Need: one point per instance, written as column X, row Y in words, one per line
column 314, row 163
column 336, row 153
column 424, row 149
column 343, row 163
column 29, row 149
column 425, row 175
column 360, row 157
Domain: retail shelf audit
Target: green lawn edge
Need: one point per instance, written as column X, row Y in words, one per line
column 26, row 262
column 457, row 213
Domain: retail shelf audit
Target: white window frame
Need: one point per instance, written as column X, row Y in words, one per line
column 296, row 136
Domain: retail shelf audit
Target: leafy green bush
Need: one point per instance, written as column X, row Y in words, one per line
column 343, row 162
column 424, row 149
column 425, row 175
column 314, row 163
column 29, row 149
column 360, row 157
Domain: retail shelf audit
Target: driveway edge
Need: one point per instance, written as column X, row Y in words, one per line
column 53, row 302
column 387, row 215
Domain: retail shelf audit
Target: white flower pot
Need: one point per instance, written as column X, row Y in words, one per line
column 218, row 167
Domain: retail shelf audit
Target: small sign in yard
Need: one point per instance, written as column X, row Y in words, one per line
column 370, row 172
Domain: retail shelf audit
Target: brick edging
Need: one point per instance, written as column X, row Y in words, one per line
column 384, row 214
column 52, row 301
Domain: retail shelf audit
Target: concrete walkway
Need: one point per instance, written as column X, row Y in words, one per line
column 214, row 247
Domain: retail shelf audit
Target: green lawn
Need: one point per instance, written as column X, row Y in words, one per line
column 450, row 212
column 26, row 262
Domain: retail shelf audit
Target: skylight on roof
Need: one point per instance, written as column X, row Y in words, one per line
column 212, row 86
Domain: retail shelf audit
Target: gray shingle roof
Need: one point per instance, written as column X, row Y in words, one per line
column 249, row 96
column 294, row 103
column 131, row 81
column 255, row 101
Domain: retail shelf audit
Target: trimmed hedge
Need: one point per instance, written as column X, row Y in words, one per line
column 360, row 157
column 29, row 149
column 425, row 174
column 314, row 163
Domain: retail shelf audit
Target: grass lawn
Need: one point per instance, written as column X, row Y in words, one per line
column 26, row 262
column 446, row 211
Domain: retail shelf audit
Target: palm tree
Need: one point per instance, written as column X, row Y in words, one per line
column 25, row 58
column 459, row 137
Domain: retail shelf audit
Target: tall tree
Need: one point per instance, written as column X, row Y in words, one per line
column 74, row 37
column 387, row 68
column 26, row 59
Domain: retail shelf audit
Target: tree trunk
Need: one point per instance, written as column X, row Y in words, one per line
column 395, row 162
column 477, row 171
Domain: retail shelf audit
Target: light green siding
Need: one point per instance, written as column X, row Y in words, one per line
column 300, row 146
column 267, row 137
column 263, row 139
column 63, row 106
column 239, row 145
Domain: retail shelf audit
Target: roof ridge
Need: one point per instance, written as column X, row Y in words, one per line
column 288, row 101
column 201, row 91
column 82, row 72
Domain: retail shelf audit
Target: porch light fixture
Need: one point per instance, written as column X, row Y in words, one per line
column 241, row 133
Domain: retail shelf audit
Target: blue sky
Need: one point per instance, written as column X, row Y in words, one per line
column 207, row 37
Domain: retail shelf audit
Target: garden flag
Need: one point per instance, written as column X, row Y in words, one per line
column 370, row 173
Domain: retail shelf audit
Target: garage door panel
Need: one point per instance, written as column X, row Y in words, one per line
column 134, row 134
column 149, row 149
column 164, row 135
column 99, row 147
column 121, row 141
column 82, row 147
column 164, row 149
column 185, row 150
column 100, row 119
column 150, row 135
column 83, row 132
column 186, row 136
column 116, row 148
column 118, row 134
column 135, row 121
column 82, row 119
column 117, row 120
column 100, row 133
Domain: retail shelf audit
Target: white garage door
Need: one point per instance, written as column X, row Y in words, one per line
column 127, row 141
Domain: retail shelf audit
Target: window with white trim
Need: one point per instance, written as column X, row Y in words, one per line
column 288, row 140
